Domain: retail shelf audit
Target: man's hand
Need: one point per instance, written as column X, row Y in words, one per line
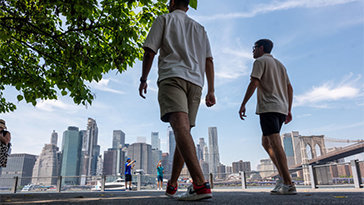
column 210, row 99
column 143, row 87
column 288, row 118
column 242, row 112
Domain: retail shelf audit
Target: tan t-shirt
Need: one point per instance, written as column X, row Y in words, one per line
column 183, row 45
column 273, row 92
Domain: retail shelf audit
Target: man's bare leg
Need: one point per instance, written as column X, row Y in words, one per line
column 181, row 127
column 280, row 155
column 268, row 148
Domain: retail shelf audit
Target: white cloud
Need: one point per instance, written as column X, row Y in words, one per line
column 103, row 86
column 236, row 65
column 276, row 6
column 334, row 127
column 329, row 92
column 52, row 105
column 304, row 115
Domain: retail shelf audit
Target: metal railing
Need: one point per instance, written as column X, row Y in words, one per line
column 318, row 178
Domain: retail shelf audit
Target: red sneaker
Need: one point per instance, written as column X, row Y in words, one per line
column 195, row 192
column 171, row 190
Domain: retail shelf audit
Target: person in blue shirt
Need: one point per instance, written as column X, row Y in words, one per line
column 160, row 171
column 128, row 166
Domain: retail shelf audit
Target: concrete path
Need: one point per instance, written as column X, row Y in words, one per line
column 222, row 196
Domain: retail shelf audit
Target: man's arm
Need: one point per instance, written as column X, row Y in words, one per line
column 290, row 100
column 131, row 163
column 147, row 64
column 254, row 83
column 210, row 96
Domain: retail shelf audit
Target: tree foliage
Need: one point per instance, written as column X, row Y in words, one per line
column 50, row 46
column 193, row 4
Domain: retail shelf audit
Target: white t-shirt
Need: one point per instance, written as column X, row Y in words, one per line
column 273, row 92
column 183, row 47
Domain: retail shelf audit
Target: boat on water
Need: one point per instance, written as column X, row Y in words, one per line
column 117, row 185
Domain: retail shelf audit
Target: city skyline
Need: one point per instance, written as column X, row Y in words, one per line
column 211, row 130
column 320, row 43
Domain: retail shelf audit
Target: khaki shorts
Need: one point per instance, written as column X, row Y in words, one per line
column 178, row 95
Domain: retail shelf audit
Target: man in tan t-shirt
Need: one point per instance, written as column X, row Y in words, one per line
column 184, row 59
column 274, row 103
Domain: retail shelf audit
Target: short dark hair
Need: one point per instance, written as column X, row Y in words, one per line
column 266, row 43
column 183, row 3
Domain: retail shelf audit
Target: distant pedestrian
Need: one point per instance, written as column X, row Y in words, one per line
column 129, row 165
column 5, row 144
column 160, row 171
column 274, row 105
column 184, row 60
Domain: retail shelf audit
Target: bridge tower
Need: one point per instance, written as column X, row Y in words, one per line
column 311, row 147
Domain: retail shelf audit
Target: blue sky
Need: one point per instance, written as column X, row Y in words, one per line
column 321, row 43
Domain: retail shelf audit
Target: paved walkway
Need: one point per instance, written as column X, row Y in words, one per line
column 222, row 196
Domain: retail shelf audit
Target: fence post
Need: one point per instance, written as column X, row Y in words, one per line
column 139, row 181
column 243, row 179
column 356, row 173
column 103, row 180
column 59, row 183
column 313, row 179
column 211, row 180
column 15, row 186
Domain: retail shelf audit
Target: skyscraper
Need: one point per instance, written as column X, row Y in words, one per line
column 206, row 155
column 100, row 166
column 110, row 164
column 171, row 143
column 202, row 145
column 214, row 150
column 20, row 165
column 165, row 163
column 201, row 142
column 90, row 150
column 156, row 156
column 71, row 155
column 46, row 167
column 205, row 168
column 199, row 152
column 291, row 146
column 84, row 156
column 156, row 143
column 114, row 160
column 118, row 139
column 221, row 171
column 142, row 153
column 54, row 138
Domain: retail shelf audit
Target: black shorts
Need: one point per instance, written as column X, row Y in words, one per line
column 271, row 122
column 127, row 177
column 160, row 178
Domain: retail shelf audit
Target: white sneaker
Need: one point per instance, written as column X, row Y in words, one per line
column 197, row 193
column 285, row 190
column 279, row 182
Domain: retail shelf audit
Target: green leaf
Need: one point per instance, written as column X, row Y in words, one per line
column 20, row 97
column 193, row 4
column 64, row 92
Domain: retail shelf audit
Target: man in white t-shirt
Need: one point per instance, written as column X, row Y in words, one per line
column 274, row 103
column 184, row 59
